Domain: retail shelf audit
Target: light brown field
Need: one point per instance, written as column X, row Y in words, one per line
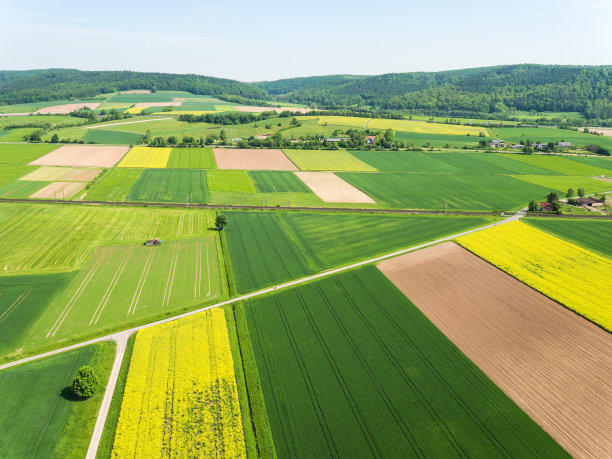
column 82, row 156
column 59, row 190
column 253, row 109
column 331, row 188
column 268, row 160
column 62, row 174
column 137, row 91
column 157, row 104
column 64, row 109
column 554, row 364
column 603, row 131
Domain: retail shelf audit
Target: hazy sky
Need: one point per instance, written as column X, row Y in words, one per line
column 257, row 40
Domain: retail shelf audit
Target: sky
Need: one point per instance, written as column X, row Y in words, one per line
column 267, row 40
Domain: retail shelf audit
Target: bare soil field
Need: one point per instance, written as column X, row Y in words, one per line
column 63, row 174
column 64, row 109
column 82, row 156
column 137, row 91
column 554, row 364
column 59, row 190
column 157, row 104
column 253, row 109
column 603, row 131
column 331, row 188
column 268, row 160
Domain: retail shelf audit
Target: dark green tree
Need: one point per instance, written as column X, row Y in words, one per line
column 55, row 138
column 552, row 197
column 570, row 193
column 85, row 383
column 220, row 222
column 581, row 192
column 534, row 206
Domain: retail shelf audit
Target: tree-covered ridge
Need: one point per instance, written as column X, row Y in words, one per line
column 288, row 85
column 57, row 84
column 529, row 87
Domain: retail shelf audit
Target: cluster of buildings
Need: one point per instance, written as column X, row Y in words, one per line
column 496, row 143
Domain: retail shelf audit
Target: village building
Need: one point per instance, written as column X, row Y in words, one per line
column 590, row 202
column 541, row 146
column 154, row 241
column 370, row 139
column 564, row 144
column 496, row 143
column 546, row 207
column 517, row 146
column 337, row 139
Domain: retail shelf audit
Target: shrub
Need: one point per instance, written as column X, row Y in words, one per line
column 85, row 383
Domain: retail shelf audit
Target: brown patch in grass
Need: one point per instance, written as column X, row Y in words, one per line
column 607, row 132
column 82, row 156
column 59, row 190
column 254, row 109
column 247, row 159
column 331, row 188
column 62, row 174
column 64, row 109
column 137, row 91
column 554, row 364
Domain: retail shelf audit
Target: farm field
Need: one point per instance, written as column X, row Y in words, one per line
column 58, row 190
column 112, row 137
column 562, row 183
column 289, row 199
column 349, row 367
column 230, row 180
column 525, row 342
column 550, row 265
column 23, row 154
column 331, row 188
column 191, row 158
column 21, row 189
column 549, row 134
column 271, row 247
column 82, row 156
column 115, row 186
column 351, row 121
column 170, row 185
column 9, row 173
column 66, row 174
column 40, row 238
column 425, row 127
column 418, row 139
column 229, row 158
column 277, row 182
column 474, row 192
column 67, row 108
column 592, row 234
column 564, row 166
column 128, row 283
column 327, row 160
column 45, row 420
column 604, row 163
column 146, row 157
column 181, row 394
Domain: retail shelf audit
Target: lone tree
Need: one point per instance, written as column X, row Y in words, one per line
column 85, row 383
column 220, row 222
column 552, row 197
column 570, row 193
column 534, row 206
column 581, row 192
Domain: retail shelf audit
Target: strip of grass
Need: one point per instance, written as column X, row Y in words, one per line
column 605, row 163
column 112, row 137
column 228, row 180
column 9, row 173
column 594, row 235
column 558, row 164
column 277, row 182
column 549, row 134
column 192, row 158
column 350, row 368
column 327, row 160
column 171, row 185
column 108, row 434
column 114, row 186
column 562, row 183
column 23, row 153
column 21, row 188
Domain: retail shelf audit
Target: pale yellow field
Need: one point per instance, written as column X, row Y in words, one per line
column 135, row 110
column 352, row 121
column 424, row 127
column 146, row 157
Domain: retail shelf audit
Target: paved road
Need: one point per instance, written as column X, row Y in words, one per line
column 122, row 337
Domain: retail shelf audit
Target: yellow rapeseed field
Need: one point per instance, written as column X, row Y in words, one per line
column 135, row 110
column 424, row 127
column 181, row 398
column 569, row 274
column 146, row 157
column 353, row 121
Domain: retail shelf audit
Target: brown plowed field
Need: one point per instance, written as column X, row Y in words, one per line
column 554, row 364
column 601, row 131
column 64, row 109
column 82, row 155
column 268, row 160
column 62, row 174
column 331, row 188
column 59, row 190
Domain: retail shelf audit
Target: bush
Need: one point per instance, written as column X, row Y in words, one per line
column 85, row 383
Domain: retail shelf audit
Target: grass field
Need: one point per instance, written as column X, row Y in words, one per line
column 127, row 283
column 21, row 189
column 605, row 163
column 23, row 153
column 277, row 182
column 473, row 192
column 192, row 158
column 39, row 416
column 47, row 238
column 352, row 121
column 112, row 137
column 230, row 180
column 181, row 397
column 170, row 185
column 591, row 234
column 571, row 275
column 549, row 134
column 9, row 173
column 326, row 160
column 114, row 186
column 564, row 166
column 425, row 127
column 146, row 157
column 418, row 139
column 350, row 368
column 267, row 247
column 562, row 183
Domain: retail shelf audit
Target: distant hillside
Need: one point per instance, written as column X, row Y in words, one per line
column 528, row 87
column 56, row 84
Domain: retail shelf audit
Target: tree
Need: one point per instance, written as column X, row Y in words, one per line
column 389, row 135
column 552, row 197
column 55, row 138
column 570, row 193
column 172, row 140
column 581, row 192
column 223, row 136
column 220, row 222
column 85, row 383
column 534, row 206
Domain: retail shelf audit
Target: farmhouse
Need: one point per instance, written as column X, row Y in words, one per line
column 541, row 146
column 337, row 139
column 564, row 144
column 496, row 143
column 517, row 146
column 546, row 207
column 590, row 202
column 370, row 139
column 154, row 241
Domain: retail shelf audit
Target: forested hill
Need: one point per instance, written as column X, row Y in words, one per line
column 56, row 84
column 586, row 89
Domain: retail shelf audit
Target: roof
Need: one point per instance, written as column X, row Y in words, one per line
column 371, row 137
column 336, row 139
column 564, row 144
column 589, row 201
column 546, row 206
